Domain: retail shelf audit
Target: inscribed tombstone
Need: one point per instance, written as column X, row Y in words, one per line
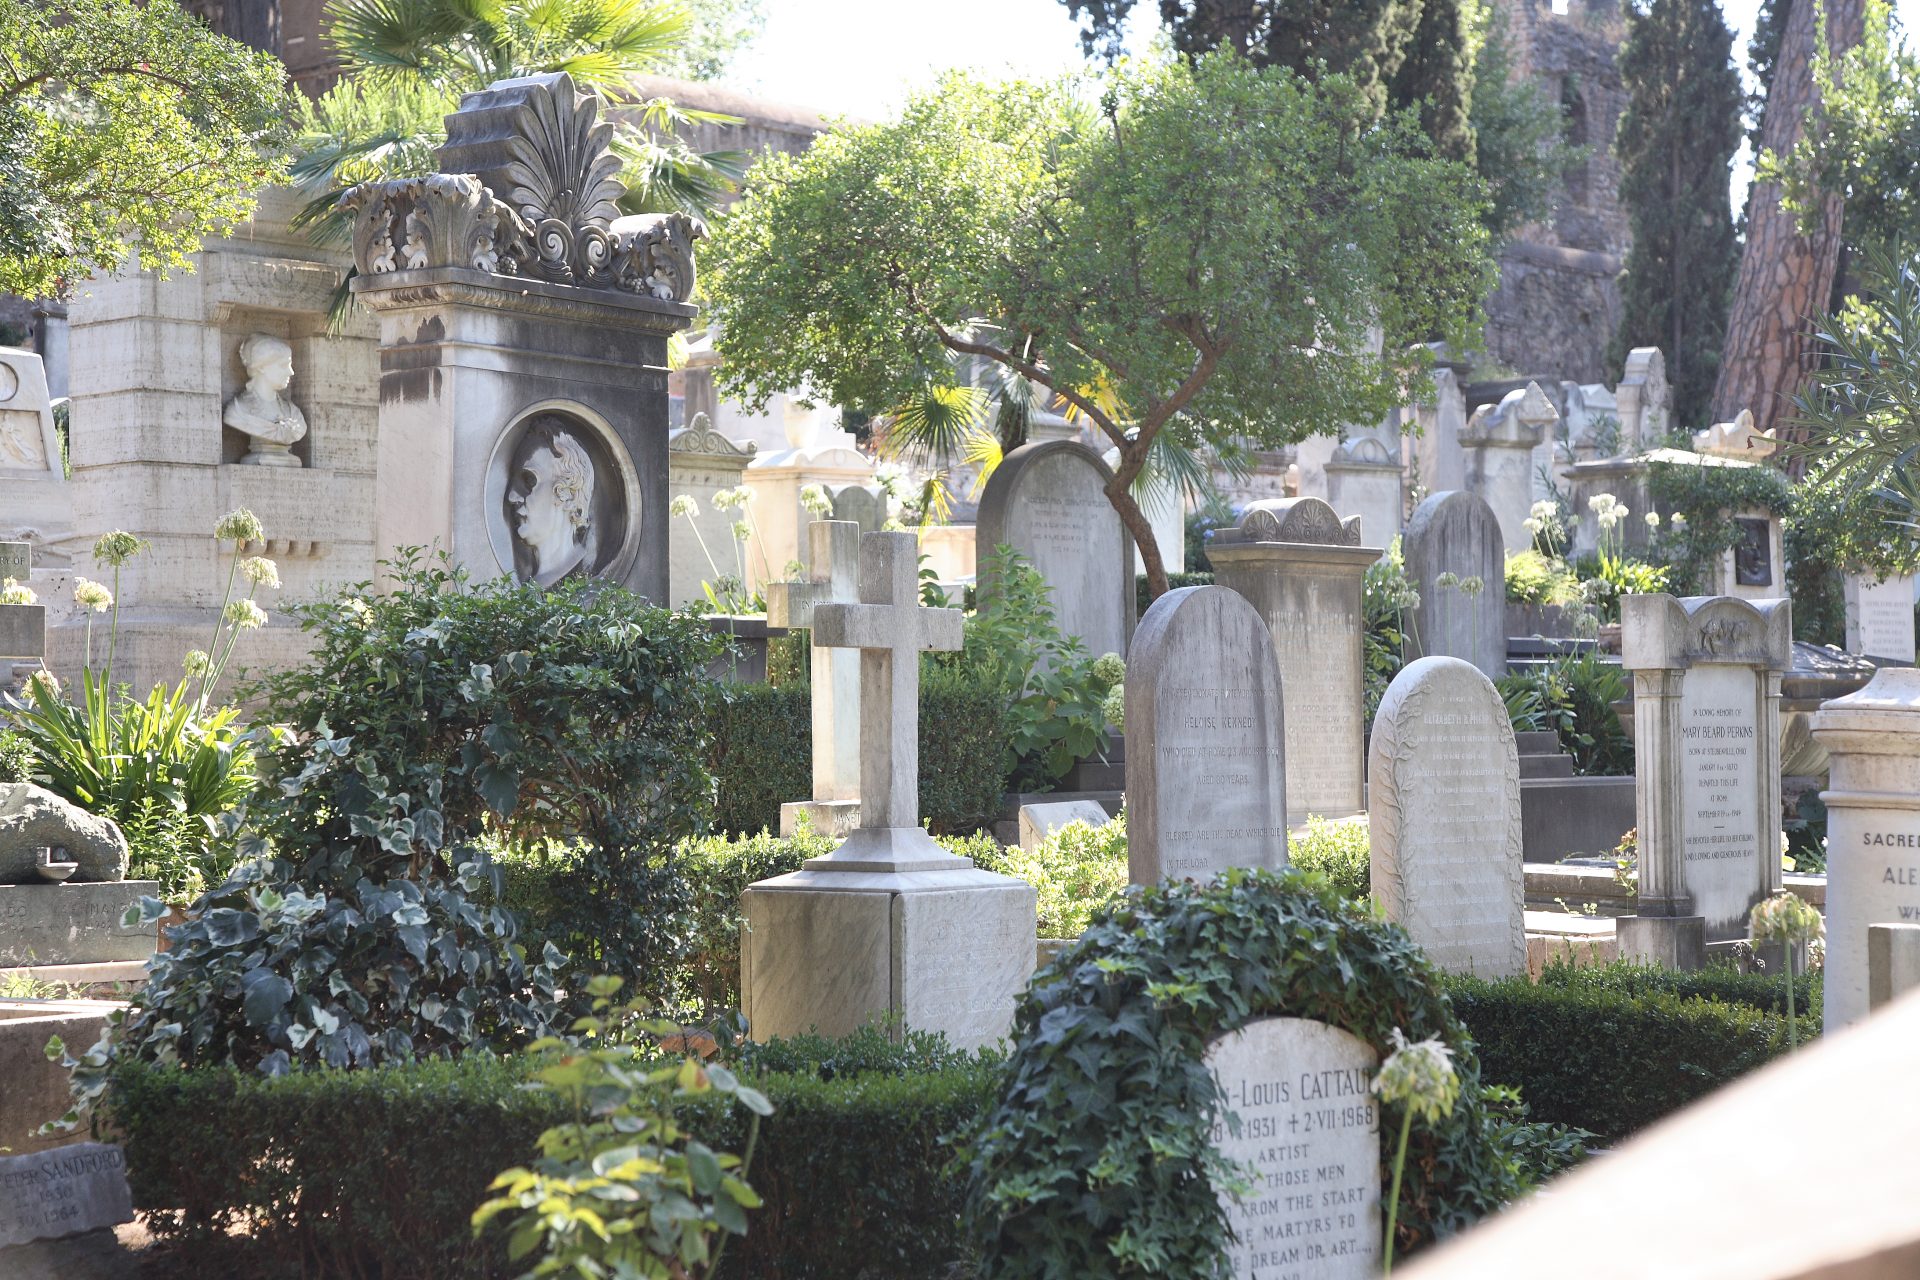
column 1310, row 1129
column 1457, row 563
column 1048, row 501
column 1443, row 803
column 1880, row 616
column 62, row 1192
column 1206, row 744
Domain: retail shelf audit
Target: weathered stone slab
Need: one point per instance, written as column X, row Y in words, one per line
column 63, row 1192
column 1444, row 817
column 1206, row 740
column 42, row 924
column 1048, row 501
column 1038, row 821
column 32, row 818
column 38, row 1089
column 1456, row 561
column 1309, row 1127
column 1880, row 616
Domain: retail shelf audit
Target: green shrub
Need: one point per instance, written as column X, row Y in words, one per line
column 1615, row 1049
column 1100, row 1139
column 1340, row 851
column 1388, row 599
column 1533, row 578
column 1074, row 872
column 761, row 754
column 1143, row 594
column 376, row 1173
column 1573, row 695
column 18, row 759
column 762, row 751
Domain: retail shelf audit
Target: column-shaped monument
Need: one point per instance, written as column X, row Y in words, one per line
column 523, row 332
column 1706, row 710
column 889, row 923
column 1305, row 571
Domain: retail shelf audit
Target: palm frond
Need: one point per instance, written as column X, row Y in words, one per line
column 934, row 426
column 664, row 176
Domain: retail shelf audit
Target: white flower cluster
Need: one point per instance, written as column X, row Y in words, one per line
column 684, row 505
column 728, row 499
column 1544, row 517
column 1420, row 1077
column 1608, row 510
column 91, row 595
column 1785, row 917
column 13, row 591
column 814, row 498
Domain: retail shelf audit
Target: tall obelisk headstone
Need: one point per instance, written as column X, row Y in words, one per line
column 523, row 344
column 1206, row 748
column 889, row 923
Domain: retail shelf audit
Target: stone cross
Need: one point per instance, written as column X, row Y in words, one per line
column 891, row 631
column 834, row 578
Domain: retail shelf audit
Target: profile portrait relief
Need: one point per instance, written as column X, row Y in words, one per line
column 552, row 499
column 263, row 410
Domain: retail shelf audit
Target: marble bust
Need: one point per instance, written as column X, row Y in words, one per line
column 552, row 500
column 271, row 421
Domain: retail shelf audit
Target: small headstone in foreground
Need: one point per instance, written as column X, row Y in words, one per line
column 63, row 1192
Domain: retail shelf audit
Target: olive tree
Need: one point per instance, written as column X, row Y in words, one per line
column 1203, row 250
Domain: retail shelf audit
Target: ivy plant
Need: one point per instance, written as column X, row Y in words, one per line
column 1097, row 1158
column 1706, row 499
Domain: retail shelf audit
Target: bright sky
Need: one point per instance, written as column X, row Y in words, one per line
column 861, row 57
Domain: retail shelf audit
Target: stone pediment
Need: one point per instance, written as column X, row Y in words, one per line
column 1520, row 419
column 1304, row 520
column 1662, row 631
column 700, row 437
column 1737, row 439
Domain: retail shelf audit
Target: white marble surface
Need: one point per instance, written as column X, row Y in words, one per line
column 1720, row 792
column 1444, row 818
column 1880, row 616
column 1311, row 1130
column 1206, row 741
column 1038, row 821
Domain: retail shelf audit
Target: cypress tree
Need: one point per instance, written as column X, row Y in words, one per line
column 1676, row 143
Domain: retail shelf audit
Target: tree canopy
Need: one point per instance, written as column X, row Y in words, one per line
column 124, row 122
column 1198, row 248
column 1676, row 143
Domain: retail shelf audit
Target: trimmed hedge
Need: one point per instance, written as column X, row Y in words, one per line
column 376, row 1173
column 1143, row 595
column 762, row 753
column 1616, row 1048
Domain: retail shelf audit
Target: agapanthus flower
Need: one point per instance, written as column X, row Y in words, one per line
column 261, row 572
column 742, row 530
column 1653, row 519
column 245, row 614
column 814, row 498
column 240, row 526
column 116, row 548
column 91, row 595
column 684, row 505
column 1420, row 1077
column 1785, row 917
column 196, row 663
column 13, row 591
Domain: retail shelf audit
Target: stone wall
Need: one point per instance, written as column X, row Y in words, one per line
column 1558, row 302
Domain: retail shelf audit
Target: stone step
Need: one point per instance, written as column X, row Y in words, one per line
column 1535, row 742
column 122, row 973
column 1546, row 766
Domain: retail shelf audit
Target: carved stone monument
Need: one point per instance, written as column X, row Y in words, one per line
column 1872, row 738
column 889, row 923
column 523, row 329
column 1499, row 442
column 1443, row 811
column 1309, row 1127
column 702, row 462
column 1304, row 571
column 35, row 505
column 834, row 578
column 1706, row 689
column 1048, row 502
column 1456, row 562
column 62, row 1192
column 1643, row 401
column 1206, row 750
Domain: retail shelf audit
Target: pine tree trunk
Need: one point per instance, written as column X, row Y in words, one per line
column 1785, row 278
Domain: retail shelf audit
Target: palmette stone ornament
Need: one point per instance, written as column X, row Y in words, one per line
column 263, row 410
column 528, row 189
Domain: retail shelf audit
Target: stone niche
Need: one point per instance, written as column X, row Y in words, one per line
column 1706, row 685
column 1304, row 571
column 156, row 369
column 523, row 327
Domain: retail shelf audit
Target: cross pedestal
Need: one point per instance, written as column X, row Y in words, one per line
column 889, row 923
column 834, row 578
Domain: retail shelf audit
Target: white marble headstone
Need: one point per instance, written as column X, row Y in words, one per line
column 1309, row 1128
column 1206, row 743
column 1444, row 817
column 1720, row 789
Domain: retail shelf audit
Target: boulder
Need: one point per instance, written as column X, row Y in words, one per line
column 31, row 817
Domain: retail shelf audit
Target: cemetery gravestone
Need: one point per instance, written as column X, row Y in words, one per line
column 834, row 579
column 1310, row 1129
column 889, row 924
column 1443, row 811
column 1456, row 561
column 1499, row 442
column 1206, row 746
column 701, row 463
column 62, row 1192
column 34, row 499
column 524, row 375
column 1304, row 571
column 1048, row 501
column 1706, row 678
column 1872, row 738
column 1880, row 616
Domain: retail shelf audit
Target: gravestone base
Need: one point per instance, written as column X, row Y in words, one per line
column 1670, row 942
column 1893, row 962
column 836, row 818
column 829, row 951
